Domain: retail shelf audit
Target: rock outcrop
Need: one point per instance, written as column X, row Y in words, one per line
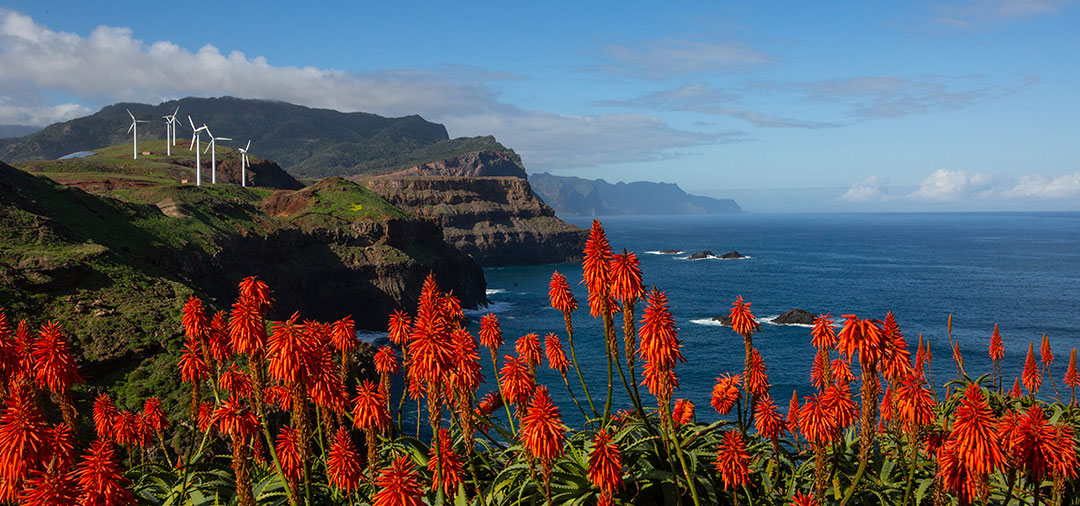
column 794, row 317
column 701, row 255
column 732, row 255
column 486, row 208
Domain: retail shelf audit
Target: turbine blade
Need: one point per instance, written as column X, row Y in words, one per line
column 176, row 111
column 192, row 122
column 248, row 146
column 193, row 137
column 222, row 138
column 130, row 127
column 208, row 145
column 129, row 113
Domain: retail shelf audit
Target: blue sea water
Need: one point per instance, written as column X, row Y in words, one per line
column 1019, row 270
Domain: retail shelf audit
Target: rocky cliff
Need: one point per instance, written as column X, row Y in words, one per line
column 114, row 267
column 574, row 196
column 486, row 208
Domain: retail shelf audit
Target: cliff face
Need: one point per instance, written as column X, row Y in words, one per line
column 575, row 196
column 486, row 208
column 116, row 272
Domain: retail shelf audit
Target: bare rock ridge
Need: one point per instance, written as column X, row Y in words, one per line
column 486, row 207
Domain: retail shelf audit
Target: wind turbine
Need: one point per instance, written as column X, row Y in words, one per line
column 244, row 163
column 170, row 131
column 134, row 130
column 212, row 147
column 195, row 144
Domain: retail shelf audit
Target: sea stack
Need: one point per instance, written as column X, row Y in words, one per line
column 794, row 317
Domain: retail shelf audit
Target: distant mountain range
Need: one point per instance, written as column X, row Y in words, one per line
column 306, row 142
column 7, row 131
column 574, row 196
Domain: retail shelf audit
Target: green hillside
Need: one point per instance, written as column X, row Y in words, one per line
column 306, row 142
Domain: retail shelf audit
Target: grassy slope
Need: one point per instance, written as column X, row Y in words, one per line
column 94, row 262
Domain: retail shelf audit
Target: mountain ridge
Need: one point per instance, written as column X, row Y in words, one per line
column 575, row 196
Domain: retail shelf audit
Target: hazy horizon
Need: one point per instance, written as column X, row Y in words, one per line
column 959, row 106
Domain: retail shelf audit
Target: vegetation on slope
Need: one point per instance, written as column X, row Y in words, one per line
column 307, row 142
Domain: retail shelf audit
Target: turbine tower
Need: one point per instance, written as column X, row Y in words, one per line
column 170, row 131
column 212, row 148
column 244, row 163
column 134, row 131
column 195, row 144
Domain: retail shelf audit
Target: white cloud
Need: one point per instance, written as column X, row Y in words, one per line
column 972, row 13
column 655, row 58
column 110, row 65
column 1038, row 186
column 870, row 189
column 945, row 186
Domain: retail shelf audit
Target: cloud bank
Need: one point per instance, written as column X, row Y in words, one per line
column 945, row 186
column 111, row 64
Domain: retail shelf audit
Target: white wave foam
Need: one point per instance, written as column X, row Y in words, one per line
column 494, row 291
column 708, row 322
column 676, row 252
column 494, row 307
column 710, row 257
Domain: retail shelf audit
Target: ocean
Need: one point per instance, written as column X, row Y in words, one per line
column 1019, row 270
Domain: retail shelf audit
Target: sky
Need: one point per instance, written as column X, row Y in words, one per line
column 784, row 106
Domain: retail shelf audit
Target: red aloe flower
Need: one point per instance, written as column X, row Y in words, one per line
column 451, row 309
column 1045, row 355
column 742, row 320
column 490, row 333
column 247, row 330
column 683, row 412
column 1015, row 393
column 236, row 381
column 792, row 421
column 193, row 318
column 596, row 268
column 60, row 443
column 767, row 419
column 757, row 381
column 219, row 343
column 490, row 403
column 818, row 370
column 626, row 278
column 101, row 482
column 816, row 422
column 841, row 406
column 288, row 454
column 431, row 346
column 801, row 499
column 369, row 411
column 555, row 354
column 528, row 348
column 659, row 343
column 400, row 324
column 997, row 348
column 397, row 485
column 343, row 464
column 562, row 299
column 235, row 419
column 864, row 336
column 205, row 417
column 841, row 371
column 517, row 383
column 253, row 289
column 104, row 414
column 54, row 365
column 192, row 367
column 52, row 486
column 886, row 408
column 823, row 335
column 1032, row 378
column 605, row 464
column 541, row 429
column 467, row 373
column 386, row 361
column 155, row 415
column 973, row 443
column 726, row 393
column 288, row 352
column 343, row 335
column 915, row 404
column 22, row 443
column 449, row 473
column 325, row 386
column 126, row 429
column 897, row 360
column 1071, row 378
column 732, row 460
